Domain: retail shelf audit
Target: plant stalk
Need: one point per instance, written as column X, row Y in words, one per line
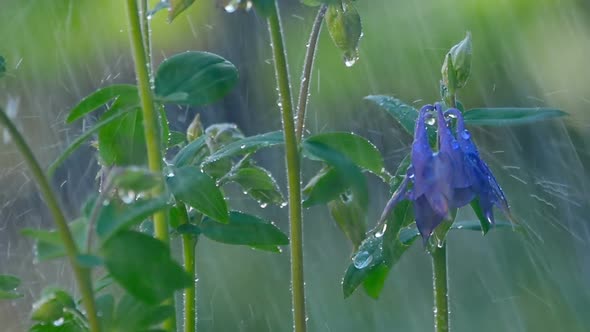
column 307, row 69
column 82, row 275
column 189, row 243
column 293, row 169
column 440, row 286
column 149, row 123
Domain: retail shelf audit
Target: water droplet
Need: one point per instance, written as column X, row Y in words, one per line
column 127, row 196
column 362, row 259
column 243, row 146
column 231, row 7
column 263, row 205
column 170, row 175
column 59, row 322
column 430, row 120
column 455, row 145
column 465, row 134
column 349, row 62
column 283, row 205
column 381, row 232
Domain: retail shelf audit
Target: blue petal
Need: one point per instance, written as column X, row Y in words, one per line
column 427, row 219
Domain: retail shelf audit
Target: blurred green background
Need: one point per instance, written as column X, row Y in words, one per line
column 526, row 53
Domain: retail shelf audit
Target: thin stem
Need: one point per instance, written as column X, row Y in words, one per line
column 293, row 169
column 440, row 287
column 81, row 274
column 149, row 123
column 146, row 36
column 190, row 293
column 307, row 69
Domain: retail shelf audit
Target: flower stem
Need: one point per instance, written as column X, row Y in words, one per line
column 149, row 123
column 189, row 243
column 81, row 274
column 440, row 287
column 293, row 170
column 307, row 68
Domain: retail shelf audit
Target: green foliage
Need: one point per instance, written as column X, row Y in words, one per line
column 192, row 186
column 143, row 266
column 191, row 153
column 130, row 314
column 2, row 66
column 8, row 285
column 324, row 187
column 259, row 184
column 194, row 78
column 346, row 30
column 176, row 7
column 247, row 145
column 350, row 214
column 48, row 244
column 100, row 97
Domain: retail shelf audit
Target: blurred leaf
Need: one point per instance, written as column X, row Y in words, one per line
column 247, row 145
column 177, row 138
column 350, row 216
column 324, row 187
column 122, row 142
column 49, row 244
column 198, row 190
column 356, row 148
column 342, row 165
column 137, row 179
column 264, row 7
column 194, row 78
column 82, row 138
column 176, row 7
column 105, row 307
column 187, row 228
column 143, row 266
column 52, row 305
column 116, row 215
column 509, row 116
column 100, row 97
column 8, row 285
column 244, row 229
column 133, row 315
column 190, row 154
column 259, row 184
column 2, row 66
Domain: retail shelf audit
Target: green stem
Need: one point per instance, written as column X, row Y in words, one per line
column 81, row 274
column 146, row 36
column 440, row 287
column 293, row 169
column 189, row 243
column 149, row 123
column 307, row 68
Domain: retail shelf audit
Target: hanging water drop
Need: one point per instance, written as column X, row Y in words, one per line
column 362, row 259
column 381, row 232
column 465, row 134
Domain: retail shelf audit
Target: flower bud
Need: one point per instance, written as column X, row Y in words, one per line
column 195, row 129
column 457, row 65
column 344, row 25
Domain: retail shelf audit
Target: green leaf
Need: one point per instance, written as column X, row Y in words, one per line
column 100, row 97
column 401, row 112
column 350, row 216
column 244, row 229
column 484, row 223
column 8, row 285
column 85, row 136
column 324, row 187
column 356, row 148
column 105, row 307
column 264, row 7
column 247, row 145
column 177, row 138
column 509, row 116
column 192, row 153
column 194, row 78
column 259, row 184
column 49, row 244
column 115, row 215
column 136, row 179
column 2, row 66
column 89, row 261
column 143, row 266
column 52, row 305
column 346, row 170
column 176, row 7
column 122, row 142
column 197, row 189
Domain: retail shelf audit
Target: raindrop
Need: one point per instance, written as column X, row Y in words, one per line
column 127, row 196
column 243, row 146
column 231, row 7
column 430, row 120
column 59, row 322
column 263, row 205
column 362, row 259
column 283, row 205
column 350, row 60
column 382, row 231
column 455, row 145
column 465, row 134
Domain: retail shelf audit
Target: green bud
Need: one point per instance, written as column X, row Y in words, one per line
column 195, row 129
column 344, row 25
column 457, row 65
column 221, row 134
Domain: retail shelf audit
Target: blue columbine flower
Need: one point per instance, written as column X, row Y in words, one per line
column 449, row 178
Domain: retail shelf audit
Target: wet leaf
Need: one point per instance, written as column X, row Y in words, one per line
column 401, row 112
column 247, row 145
column 137, row 179
column 356, row 148
column 509, row 116
column 191, row 153
column 49, row 245
column 8, row 285
column 122, row 142
column 198, row 190
column 244, row 229
column 100, row 97
column 175, row 7
column 194, row 78
column 350, row 216
column 89, row 261
column 143, row 266
column 52, row 306
column 324, row 187
column 2, row 66
column 116, row 215
column 259, row 184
